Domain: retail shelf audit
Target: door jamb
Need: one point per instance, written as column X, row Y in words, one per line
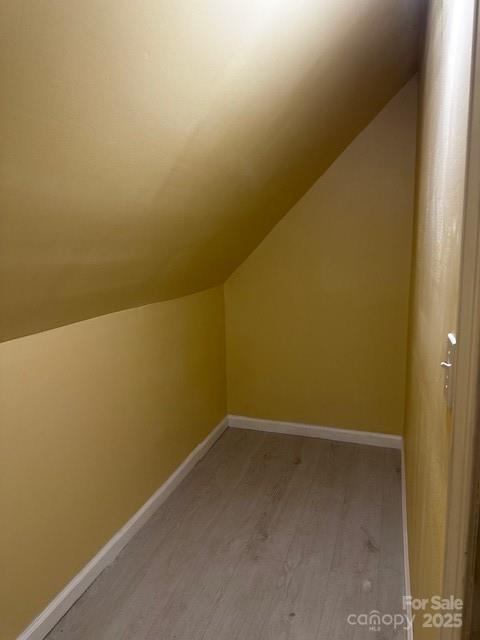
column 463, row 507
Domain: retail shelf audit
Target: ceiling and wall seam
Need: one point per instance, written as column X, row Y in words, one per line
column 148, row 148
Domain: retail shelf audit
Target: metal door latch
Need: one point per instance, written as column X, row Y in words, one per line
column 448, row 366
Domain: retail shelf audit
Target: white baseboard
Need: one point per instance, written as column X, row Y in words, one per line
column 49, row 617
column 315, row 431
column 406, row 557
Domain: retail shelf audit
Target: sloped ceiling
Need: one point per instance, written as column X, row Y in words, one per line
column 148, row 146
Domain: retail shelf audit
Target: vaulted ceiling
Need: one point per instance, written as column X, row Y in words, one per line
column 149, row 145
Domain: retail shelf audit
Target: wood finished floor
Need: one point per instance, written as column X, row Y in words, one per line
column 271, row 537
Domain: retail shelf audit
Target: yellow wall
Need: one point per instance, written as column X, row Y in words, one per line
column 316, row 317
column 439, row 208
column 94, row 417
column 147, row 147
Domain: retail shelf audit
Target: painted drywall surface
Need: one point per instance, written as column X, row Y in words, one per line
column 439, row 209
column 147, row 147
column 316, row 317
column 94, row 417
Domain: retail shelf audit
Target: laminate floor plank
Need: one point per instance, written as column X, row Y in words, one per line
column 298, row 608
column 261, row 570
column 270, row 537
column 198, row 588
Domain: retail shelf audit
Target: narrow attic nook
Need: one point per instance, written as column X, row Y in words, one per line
column 229, row 261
